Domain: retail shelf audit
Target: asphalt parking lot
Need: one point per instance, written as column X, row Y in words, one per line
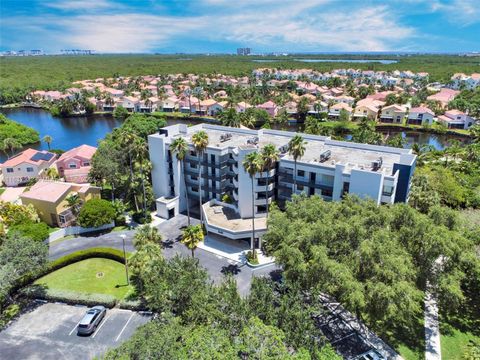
column 49, row 332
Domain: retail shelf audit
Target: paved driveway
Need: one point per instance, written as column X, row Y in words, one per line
column 215, row 265
column 48, row 331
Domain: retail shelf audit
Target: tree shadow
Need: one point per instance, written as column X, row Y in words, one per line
column 230, row 270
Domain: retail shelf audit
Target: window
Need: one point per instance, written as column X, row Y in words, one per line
column 301, row 173
column 29, row 169
column 192, row 153
column 300, row 187
column 327, row 193
column 193, row 165
column 194, row 178
column 387, row 190
column 72, row 166
column 86, row 164
column 195, row 188
column 9, row 170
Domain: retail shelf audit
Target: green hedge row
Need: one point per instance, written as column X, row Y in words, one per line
column 69, row 297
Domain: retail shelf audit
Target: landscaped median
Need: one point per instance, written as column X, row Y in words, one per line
column 90, row 277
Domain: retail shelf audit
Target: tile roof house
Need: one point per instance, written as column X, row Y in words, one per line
column 420, row 115
column 74, row 165
column 270, row 107
column 242, row 106
column 49, row 199
column 456, row 119
column 335, row 110
column 393, row 114
column 444, row 96
column 28, row 164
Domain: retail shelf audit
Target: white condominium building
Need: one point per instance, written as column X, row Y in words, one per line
column 328, row 168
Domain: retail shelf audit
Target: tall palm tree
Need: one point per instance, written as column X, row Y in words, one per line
column 296, row 148
column 270, row 155
column 192, row 236
column 48, row 140
column 140, row 153
column 127, row 139
column 252, row 165
column 200, row 143
column 11, row 144
column 179, row 147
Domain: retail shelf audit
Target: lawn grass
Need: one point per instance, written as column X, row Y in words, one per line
column 2, row 190
column 455, row 343
column 83, row 277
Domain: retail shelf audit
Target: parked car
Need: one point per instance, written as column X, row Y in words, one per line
column 90, row 320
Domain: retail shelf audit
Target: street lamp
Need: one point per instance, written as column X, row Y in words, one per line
column 123, row 236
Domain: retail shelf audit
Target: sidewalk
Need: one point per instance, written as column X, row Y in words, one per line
column 432, row 331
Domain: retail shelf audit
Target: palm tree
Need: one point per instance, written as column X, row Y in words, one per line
column 252, row 165
column 74, row 202
column 48, row 140
column 146, row 234
column 200, row 143
column 192, row 236
column 179, row 147
column 270, row 156
column 127, row 139
column 229, row 118
column 11, row 144
column 296, row 148
column 140, row 152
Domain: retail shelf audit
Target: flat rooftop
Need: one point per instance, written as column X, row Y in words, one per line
column 227, row 218
column 352, row 155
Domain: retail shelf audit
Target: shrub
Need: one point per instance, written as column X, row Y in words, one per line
column 95, row 213
column 69, row 297
column 120, row 113
column 31, row 230
column 139, row 218
column 8, row 314
column 252, row 257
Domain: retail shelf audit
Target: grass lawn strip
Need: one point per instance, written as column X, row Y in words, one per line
column 91, row 276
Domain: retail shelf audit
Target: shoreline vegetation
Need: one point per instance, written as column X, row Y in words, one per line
column 348, row 126
column 14, row 136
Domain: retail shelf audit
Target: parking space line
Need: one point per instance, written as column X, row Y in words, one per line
column 103, row 322
column 71, row 332
column 124, row 327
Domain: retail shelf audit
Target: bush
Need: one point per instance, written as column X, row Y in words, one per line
column 140, row 218
column 252, row 257
column 8, row 314
column 69, row 297
column 105, row 253
column 31, row 230
column 120, row 113
column 95, row 213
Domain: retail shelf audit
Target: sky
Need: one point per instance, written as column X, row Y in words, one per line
column 220, row 26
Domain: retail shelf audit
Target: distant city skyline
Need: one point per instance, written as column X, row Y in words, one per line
column 222, row 26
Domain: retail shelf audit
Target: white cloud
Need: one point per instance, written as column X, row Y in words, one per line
column 82, row 5
column 459, row 12
column 310, row 25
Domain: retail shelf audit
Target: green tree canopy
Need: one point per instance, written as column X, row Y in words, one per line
column 95, row 213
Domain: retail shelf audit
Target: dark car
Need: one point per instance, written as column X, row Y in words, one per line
column 90, row 320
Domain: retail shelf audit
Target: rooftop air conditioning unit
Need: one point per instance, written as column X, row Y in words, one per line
column 324, row 156
column 377, row 164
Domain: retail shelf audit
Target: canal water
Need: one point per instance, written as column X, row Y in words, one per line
column 73, row 131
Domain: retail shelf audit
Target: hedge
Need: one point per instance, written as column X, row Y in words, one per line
column 69, row 297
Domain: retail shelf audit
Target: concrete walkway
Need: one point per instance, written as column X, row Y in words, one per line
column 432, row 330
